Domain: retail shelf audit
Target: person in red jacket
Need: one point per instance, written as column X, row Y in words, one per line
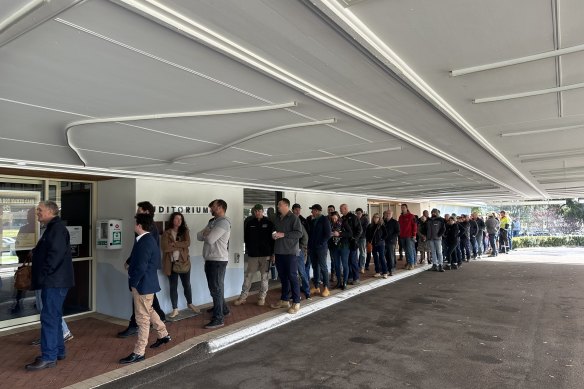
column 408, row 229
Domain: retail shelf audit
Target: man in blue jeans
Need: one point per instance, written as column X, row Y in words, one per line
column 52, row 273
column 287, row 235
column 216, row 254
column 356, row 228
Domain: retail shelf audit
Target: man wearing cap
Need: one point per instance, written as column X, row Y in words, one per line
column 318, row 236
column 259, row 247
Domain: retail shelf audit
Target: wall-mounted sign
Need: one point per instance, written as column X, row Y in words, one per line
column 184, row 209
column 75, row 234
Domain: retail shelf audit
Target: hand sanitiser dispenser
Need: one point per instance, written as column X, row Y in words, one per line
column 109, row 234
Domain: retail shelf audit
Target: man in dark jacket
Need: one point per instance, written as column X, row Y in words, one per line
column 392, row 227
column 436, row 227
column 318, row 236
column 143, row 281
column 362, row 243
column 259, row 247
column 52, row 273
column 355, row 224
column 464, row 227
column 147, row 208
column 287, row 235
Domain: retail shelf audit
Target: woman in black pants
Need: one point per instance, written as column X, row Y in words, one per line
column 176, row 262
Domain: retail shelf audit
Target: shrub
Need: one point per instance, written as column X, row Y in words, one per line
column 548, row 241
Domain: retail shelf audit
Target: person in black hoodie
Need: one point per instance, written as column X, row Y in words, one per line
column 357, row 229
column 392, row 228
column 436, row 227
column 376, row 235
column 464, row 237
column 452, row 240
column 259, row 247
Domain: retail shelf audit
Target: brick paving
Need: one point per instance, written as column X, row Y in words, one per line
column 96, row 349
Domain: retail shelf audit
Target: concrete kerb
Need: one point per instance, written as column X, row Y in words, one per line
column 237, row 336
column 215, row 341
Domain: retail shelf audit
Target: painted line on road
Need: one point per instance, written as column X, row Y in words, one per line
column 238, row 336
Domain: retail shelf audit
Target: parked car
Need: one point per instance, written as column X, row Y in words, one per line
column 8, row 245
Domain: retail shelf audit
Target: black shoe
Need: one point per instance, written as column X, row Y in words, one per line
column 225, row 314
column 161, row 341
column 15, row 309
column 454, row 267
column 39, row 364
column 390, row 273
column 214, row 324
column 344, row 286
column 440, row 269
column 59, row 357
column 400, row 258
column 434, row 268
column 209, row 310
column 132, row 358
column 130, row 331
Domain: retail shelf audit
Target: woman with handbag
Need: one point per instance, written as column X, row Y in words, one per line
column 176, row 263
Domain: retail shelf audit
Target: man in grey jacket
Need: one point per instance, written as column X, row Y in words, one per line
column 492, row 225
column 216, row 253
column 287, row 235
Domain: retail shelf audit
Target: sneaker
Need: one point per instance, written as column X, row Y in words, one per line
column 440, row 269
column 239, row 301
column 314, row 290
column 68, row 336
column 194, row 308
column 325, row 292
column 294, row 308
column 454, row 266
column 377, row 275
column 434, row 268
column 356, row 282
column 174, row 313
column 214, row 324
column 281, row 304
column 384, row 276
column 362, row 271
column 261, row 302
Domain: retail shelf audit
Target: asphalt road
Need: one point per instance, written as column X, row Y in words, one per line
column 487, row 325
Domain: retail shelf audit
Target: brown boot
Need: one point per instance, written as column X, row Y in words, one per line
column 325, row 292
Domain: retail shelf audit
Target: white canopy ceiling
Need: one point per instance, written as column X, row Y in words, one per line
column 385, row 98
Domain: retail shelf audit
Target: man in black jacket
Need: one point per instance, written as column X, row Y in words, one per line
column 52, row 273
column 355, row 225
column 259, row 247
column 436, row 228
column 392, row 227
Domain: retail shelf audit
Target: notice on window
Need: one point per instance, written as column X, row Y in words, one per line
column 75, row 234
column 18, row 218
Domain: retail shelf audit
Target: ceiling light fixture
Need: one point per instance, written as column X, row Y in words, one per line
column 544, row 130
column 516, row 61
column 528, row 94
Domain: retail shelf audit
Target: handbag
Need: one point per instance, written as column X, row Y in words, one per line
column 181, row 267
column 23, row 277
column 369, row 247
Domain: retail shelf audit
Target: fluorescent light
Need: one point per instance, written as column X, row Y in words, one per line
column 515, row 61
column 528, row 94
column 544, row 130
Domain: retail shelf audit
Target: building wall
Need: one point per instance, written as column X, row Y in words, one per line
column 118, row 199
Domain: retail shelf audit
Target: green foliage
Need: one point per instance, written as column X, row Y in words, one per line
column 548, row 241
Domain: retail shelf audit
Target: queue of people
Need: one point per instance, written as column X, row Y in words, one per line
column 293, row 243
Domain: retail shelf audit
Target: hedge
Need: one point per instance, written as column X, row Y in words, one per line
column 548, row 241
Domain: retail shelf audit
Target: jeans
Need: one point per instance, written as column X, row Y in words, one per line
column 465, row 247
column 435, row 246
column 362, row 252
column 473, row 246
column 379, row 257
column 215, row 273
column 52, row 343
column 185, row 279
column 401, row 242
column 319, row 268
column 480, row 242
column 492, row 243
column 305, row 285
column 39, row 305
column 451, row 254
column 354, row 264
column 410, row 249
column 390, row 255
column 341, row 257
column 287, row 265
